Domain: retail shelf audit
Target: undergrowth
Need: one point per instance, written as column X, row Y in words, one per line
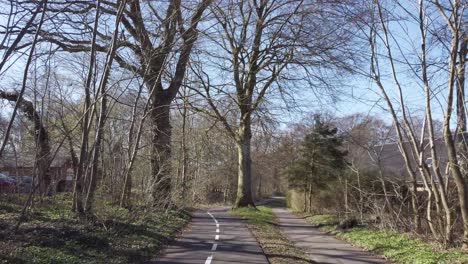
column 51, row 233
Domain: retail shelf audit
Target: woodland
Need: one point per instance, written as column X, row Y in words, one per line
column 354, row 108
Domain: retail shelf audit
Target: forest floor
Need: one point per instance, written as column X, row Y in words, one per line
column 396, row 247
column 51, row 233
column 263, row 224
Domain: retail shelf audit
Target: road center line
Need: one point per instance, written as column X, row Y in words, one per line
column 215, row 245
column 208, row 260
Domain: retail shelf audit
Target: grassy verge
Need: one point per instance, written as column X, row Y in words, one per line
column 277, row 247
column 397, row 247
column 51, row 234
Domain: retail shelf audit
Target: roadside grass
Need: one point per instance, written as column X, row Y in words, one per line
column 51, row 233
column 396, row 247
column 277, row 248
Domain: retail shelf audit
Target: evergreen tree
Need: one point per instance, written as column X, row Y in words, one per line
column 321, row 160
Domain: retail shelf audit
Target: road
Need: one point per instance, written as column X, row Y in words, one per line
column 320, row 246
column 214, row 237
column 217, row 237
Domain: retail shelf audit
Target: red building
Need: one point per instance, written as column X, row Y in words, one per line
column 60, row 170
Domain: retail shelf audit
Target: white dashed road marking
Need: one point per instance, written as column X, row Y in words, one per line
column 208, row 260
column 215, row 245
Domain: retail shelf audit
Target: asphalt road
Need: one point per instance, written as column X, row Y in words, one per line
column 321, row 247
column 214, row 237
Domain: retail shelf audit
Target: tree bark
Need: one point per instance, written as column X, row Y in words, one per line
column 244, row 184
column 463, row 147
column 461, row 108
column 161, row 149
column 310, row 198
column 183, row 147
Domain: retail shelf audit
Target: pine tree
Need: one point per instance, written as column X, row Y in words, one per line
column 321, row 160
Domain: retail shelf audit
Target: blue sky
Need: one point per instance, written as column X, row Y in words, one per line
column 358, row 96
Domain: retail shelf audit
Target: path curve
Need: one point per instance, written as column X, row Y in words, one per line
column 214, row 237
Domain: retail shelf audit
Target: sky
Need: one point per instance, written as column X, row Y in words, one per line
column 358, row 94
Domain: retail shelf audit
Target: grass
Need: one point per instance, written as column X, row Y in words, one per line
column 51, row 234
column 276, row 246
column 326, row 220
column 396, row 247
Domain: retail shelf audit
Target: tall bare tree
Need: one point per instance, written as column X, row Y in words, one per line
column 264, row 47
column 103, row 109
column 41, row 134
column 445, row 34
column 157, row 39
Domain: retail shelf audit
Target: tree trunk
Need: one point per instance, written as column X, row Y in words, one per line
column 244, row 184
column 461, row 108
column 42, row 155
column 103, row 111
column 77, row 206
column 305, row 201
column 310, row 198
column 127, row 189
column 161, row 151
column 259, row 187
column 346, row 199
column 41, row 137
column 184, row 148
column 97, row 152
column 463, row 148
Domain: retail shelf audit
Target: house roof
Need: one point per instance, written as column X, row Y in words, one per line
column 390, row 158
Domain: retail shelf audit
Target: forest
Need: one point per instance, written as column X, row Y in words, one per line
column 119, row 119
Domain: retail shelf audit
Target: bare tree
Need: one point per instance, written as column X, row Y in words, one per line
column 154, row 46
column 264, row 47
column 456, row 21
column 41, row 135
column 412, row 146
column 103, row 109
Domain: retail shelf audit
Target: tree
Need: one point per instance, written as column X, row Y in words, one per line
column 439, row 41
column 321, row 162
column 154, row 46
column 41, row 136
column 10, row 48
column 264, row 48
